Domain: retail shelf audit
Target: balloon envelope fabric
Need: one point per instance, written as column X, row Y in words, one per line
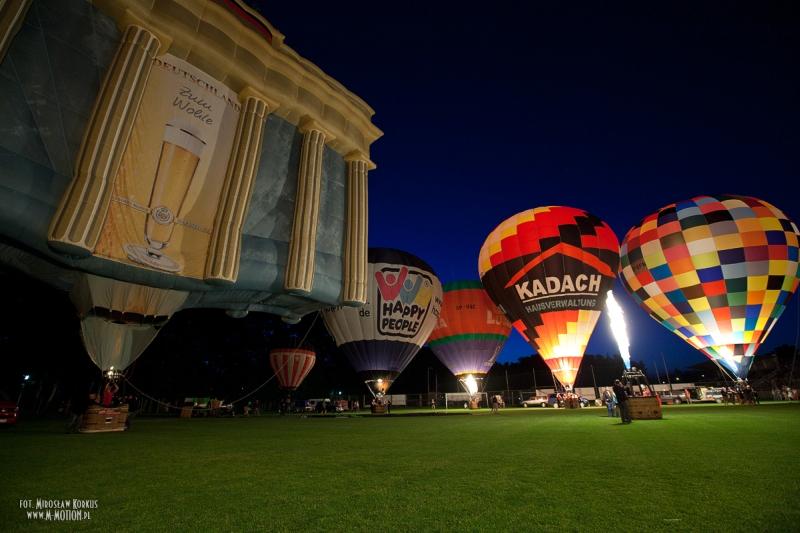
column 404, row 299
column 547, row 268
column 715, row 270
column 291, row 365
column 471, row 330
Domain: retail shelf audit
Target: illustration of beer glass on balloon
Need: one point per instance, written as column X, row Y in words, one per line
column 180, row 154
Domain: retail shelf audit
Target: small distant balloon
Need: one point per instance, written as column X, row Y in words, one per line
column 291, row 366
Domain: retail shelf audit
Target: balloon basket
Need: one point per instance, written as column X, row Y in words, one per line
column 644, row 408
column 474, row 404
column 378, row 409
column 99, row 419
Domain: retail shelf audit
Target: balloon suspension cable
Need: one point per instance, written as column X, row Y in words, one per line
column 178, row 407
column 725, row 372
column 557, row 385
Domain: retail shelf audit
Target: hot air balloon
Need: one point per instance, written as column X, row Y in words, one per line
column 291, row 366
column 470, row 332
column 549, row 269
column 404, row 298
column 153, row 196
column 159, row 181
column 715, row 270
column 119, row 320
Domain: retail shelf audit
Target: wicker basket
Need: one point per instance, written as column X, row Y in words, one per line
column 644, row 408
column 99, row 419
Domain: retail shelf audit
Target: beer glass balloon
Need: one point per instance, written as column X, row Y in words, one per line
column 180, row 155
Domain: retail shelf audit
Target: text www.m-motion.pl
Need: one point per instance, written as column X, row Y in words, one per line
column 71, row 510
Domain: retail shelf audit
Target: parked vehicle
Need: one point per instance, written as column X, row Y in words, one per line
column 709, row 395
column 672, row 398
column 8, row 413
column 313, row 404
column 536, row 401
column 551, row 400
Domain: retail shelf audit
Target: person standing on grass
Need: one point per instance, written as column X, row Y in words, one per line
column 608, row 399
column 77, row 407
column 622, row 401
column 495, row 404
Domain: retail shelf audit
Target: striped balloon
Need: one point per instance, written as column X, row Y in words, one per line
column 715, row 270
column 291, row 365
column 471, row 330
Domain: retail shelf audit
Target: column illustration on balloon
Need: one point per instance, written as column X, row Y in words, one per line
column 548, row 269
column 717, row 271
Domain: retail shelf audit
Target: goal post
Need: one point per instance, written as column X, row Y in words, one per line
column 458, row 400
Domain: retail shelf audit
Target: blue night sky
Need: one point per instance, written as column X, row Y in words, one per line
column 493, row 111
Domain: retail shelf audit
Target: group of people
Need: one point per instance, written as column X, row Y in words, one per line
column 784, row 393
column 381, row 403
column 253, row 407
column 81, row 402
column 497, row 402
column 568, row 399
column 616, row 399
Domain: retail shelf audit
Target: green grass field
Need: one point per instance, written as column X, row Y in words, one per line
column 702, row 468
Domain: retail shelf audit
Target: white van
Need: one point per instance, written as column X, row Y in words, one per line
column 311, row 405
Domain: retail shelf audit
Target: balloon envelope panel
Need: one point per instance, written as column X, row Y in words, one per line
column 715, row 270
column 546, row 268
column 291, row 366
column 471, row 330
column 404, row 299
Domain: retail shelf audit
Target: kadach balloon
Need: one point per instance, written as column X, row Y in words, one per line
column 549, row 269
column 717, row 271
column 404, row 299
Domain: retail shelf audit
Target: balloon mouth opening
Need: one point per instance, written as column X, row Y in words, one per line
column 378, row 381
column 115, row 316
column 379, row 387
column 471, row 383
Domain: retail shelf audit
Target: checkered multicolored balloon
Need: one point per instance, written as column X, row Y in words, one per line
column 547, row 268
column 715, row 270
